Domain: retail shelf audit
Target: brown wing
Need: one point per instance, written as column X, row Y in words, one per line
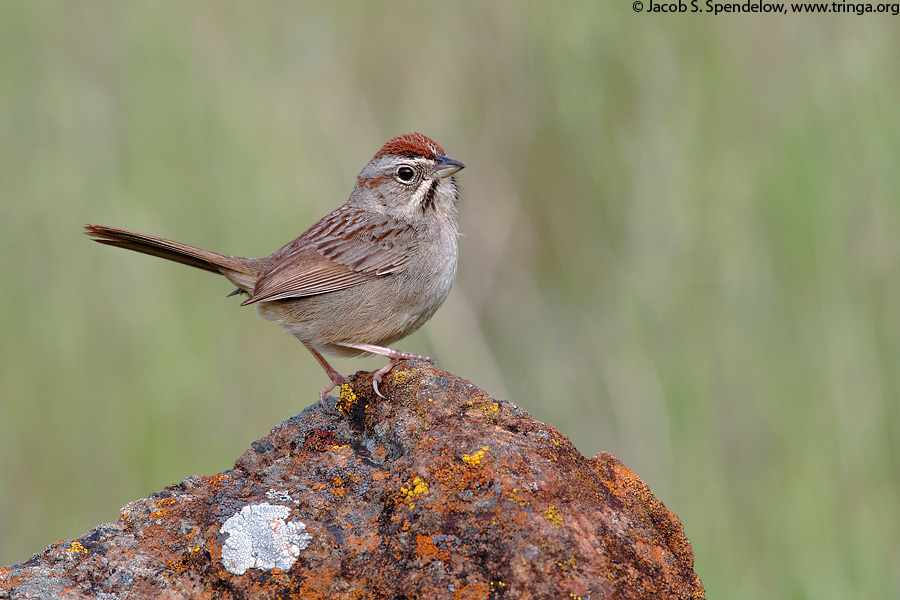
column 344, row 249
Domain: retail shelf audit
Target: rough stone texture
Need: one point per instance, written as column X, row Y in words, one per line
column 438, row 491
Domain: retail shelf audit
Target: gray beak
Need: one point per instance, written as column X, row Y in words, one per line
column 445, row 167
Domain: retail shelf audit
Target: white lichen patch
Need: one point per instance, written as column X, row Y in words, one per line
column 279, row 496
column 260, row 538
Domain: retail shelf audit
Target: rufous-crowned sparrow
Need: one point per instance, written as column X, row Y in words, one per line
column 368, row 274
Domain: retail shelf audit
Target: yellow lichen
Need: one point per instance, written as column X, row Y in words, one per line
column 514, row 496
column 401, row 377
column 475, row 459
column 552, row 514
column 417, row 487
column 347, row 398
column 77, row 548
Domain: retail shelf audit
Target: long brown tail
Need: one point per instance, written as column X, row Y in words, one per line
column 240, row 271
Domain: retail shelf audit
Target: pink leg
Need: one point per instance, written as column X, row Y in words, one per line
column 395, row 355
column 336, row 378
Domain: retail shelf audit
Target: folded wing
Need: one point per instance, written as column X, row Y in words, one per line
column 344, row 249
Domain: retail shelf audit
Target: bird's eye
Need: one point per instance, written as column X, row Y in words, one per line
column 405, row 173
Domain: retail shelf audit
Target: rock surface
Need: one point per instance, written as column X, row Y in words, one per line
column 437, row 491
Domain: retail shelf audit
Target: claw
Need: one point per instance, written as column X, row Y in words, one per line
column 376, row 378
column 375, row 387
column 323, row 393
column 395, row 357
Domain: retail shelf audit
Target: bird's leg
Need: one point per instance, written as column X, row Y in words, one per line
column 336, row 378
column 395, row 357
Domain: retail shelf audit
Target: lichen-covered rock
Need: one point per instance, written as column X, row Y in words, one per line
column 438, row 491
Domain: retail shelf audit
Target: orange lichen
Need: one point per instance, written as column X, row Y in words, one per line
column 426, row 548
column 453, row 477
column 164, row 506
column 477, row 590
column 380, row 452
column 455, row 508
column 9, row 581
column 319, row 440
column 338, row 487
column 626, row 482
column 177, row 567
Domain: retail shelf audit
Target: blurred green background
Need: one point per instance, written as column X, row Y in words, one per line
column 682, row 245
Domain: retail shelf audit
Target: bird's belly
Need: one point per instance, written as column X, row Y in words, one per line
column 378, row 312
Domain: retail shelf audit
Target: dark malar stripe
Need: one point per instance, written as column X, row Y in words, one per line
column 428, row 200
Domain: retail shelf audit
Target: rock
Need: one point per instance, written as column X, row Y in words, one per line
column 437, row 491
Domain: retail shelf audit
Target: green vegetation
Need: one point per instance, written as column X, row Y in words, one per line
column 682, row 245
